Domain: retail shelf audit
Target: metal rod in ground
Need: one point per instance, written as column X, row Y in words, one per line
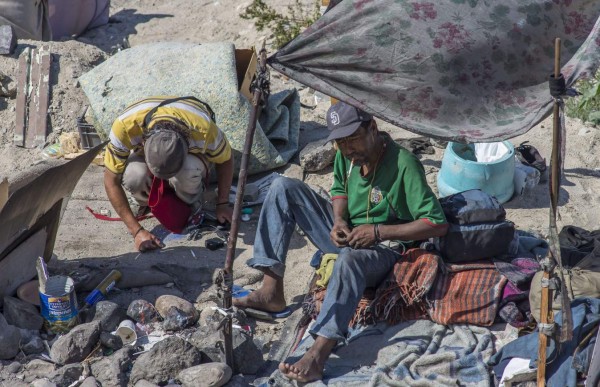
column 546, row 315
column 258, row 95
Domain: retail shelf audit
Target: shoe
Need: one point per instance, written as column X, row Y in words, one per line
column 529, row 155
column 239, row 292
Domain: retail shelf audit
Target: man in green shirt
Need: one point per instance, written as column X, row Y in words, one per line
column 379, row 195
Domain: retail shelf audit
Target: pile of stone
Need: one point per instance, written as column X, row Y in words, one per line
column 174, row 345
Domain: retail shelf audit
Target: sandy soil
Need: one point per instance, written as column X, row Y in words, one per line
column 84, row 239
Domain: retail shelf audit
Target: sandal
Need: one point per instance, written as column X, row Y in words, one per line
column 530, row 156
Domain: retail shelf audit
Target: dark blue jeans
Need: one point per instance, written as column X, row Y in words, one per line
column 290, row 202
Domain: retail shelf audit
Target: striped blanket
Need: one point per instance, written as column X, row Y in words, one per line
column 467, row 293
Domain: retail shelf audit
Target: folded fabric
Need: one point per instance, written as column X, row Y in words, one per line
column 468, row 293
column 325, row 269
column 519, row 271
column 401, row 297
column 517, row 371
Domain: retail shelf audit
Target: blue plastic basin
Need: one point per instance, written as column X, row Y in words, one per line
column 461, row 171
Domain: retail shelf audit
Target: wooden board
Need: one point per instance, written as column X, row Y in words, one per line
column 38, row 98
column 33, row 98
column 22, row 94
column 41, row 124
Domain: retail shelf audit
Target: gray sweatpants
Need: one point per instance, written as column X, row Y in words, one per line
column 188, row 183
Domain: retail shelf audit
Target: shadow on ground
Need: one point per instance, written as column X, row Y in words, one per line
column 113, row 36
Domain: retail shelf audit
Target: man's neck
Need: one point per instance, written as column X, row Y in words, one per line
column 376, row 155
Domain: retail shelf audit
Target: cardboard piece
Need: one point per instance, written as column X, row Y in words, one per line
column 19, row 265
column 37, row 204
column 246, row 62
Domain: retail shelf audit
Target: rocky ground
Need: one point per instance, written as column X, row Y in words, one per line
column 86, row 246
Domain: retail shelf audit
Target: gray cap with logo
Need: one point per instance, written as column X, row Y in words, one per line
column 165, row 152
column 343, row 120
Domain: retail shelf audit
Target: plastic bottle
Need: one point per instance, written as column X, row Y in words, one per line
column 99, row 293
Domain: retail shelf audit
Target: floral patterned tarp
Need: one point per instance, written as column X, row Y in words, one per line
column 460, row 70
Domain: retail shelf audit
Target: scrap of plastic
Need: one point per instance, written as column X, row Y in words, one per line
column 142, row 312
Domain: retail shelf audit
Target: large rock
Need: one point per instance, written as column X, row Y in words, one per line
column 31, row 342
column 90, row 381
column 37, row 369
column 22, row 314
column 316, row 156
column 145, row 383
column 111, row 341
column 66, row 375
column 208, row 341
column 43, row 383
column 76, row 345
column 165, row 360
column 109, row 314
column 211, row 374
column 176, row 312
column 14, row 367
column 10, row 337
column 111, row 371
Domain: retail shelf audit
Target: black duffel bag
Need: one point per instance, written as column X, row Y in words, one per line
column 477, row 228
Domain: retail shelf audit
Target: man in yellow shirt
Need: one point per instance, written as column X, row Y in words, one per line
column 174, row 139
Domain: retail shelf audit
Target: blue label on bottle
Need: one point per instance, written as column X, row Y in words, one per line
column 94, row 297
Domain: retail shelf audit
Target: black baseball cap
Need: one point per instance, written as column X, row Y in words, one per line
column 343, row 120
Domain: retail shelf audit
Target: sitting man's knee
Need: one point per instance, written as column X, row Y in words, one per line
column 347, row 257
column 284, row 184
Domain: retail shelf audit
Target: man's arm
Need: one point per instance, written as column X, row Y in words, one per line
column 365, row 235
column 224, row 180
column 417, row 230
column 143, row 239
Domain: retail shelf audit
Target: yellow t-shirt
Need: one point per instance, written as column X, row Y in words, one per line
column 203, row 135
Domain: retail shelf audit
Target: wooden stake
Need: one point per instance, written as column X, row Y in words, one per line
column 546, row 315
column 258, row 97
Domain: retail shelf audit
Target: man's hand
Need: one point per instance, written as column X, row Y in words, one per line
column 146, row 241
column 362, row 236
column 339, row 234
column 224, row 213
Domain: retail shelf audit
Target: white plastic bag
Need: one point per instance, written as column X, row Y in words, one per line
column 487, row 152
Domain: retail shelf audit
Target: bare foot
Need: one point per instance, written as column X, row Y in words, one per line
column 262, row 300
column 311, row 366
column 308, row 369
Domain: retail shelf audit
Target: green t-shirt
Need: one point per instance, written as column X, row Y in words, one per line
column 397, row 193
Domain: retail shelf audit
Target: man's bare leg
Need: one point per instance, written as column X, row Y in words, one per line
column 310, row 367
column 269, row 297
